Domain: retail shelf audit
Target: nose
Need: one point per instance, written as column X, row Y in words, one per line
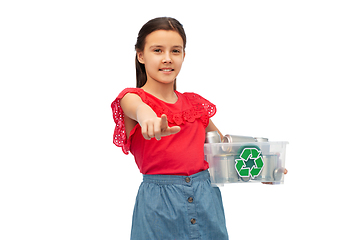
column 167, row 58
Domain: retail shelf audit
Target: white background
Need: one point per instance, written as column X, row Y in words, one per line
column 285, row 70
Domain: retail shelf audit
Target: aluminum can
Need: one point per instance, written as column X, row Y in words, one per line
column 261, row 139
column 278, row 174
column 212, row 137
column 224, row 169
column 270, row 168
column 234, row 139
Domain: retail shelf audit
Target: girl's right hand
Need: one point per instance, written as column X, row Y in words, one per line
column 151, row 125
column 157, row 128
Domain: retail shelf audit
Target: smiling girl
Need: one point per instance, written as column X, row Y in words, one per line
column 165, row 131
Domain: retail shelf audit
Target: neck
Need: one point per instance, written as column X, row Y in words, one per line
column 164, row 92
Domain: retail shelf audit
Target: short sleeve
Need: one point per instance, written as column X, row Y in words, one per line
column 119, row 137
column 202, row 106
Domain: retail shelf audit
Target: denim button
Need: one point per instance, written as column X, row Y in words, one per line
column 193, row 221
column 187, row 179
column 190, row 199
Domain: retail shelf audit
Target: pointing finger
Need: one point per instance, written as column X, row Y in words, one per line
column 163, row 123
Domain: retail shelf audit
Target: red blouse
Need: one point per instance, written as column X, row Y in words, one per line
column 178, row 154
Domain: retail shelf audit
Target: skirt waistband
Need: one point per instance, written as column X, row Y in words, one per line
column 176, row 179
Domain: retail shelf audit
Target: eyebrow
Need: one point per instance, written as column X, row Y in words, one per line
column 156, row 46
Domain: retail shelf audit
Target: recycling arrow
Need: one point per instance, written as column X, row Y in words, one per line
column 242, row 167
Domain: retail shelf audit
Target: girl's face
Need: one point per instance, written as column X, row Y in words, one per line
column 163, row 56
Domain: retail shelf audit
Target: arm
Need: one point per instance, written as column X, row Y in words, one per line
column 151, row 125
column 211, row 127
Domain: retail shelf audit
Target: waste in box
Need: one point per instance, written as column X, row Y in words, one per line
column 246, row 162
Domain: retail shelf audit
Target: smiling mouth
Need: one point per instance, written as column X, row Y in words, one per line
column 166, row 69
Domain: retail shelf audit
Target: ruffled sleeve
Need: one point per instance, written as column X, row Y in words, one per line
column 203, row 108
column 119, row 137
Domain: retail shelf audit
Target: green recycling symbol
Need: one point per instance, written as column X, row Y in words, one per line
column 250, row 162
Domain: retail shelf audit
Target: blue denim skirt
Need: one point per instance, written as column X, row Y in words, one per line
column 170, row 207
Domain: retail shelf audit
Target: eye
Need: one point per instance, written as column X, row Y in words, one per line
column 157, row 50
column 176, row 51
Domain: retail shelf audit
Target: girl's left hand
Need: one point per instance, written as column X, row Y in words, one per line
column 285, row 172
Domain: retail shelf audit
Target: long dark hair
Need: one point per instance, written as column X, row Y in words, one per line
column 161, row 23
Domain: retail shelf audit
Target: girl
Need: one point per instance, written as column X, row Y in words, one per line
column 165, row 131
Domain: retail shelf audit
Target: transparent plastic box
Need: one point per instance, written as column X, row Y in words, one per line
column 246, row 162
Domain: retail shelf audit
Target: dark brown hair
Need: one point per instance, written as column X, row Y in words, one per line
column 162, row 23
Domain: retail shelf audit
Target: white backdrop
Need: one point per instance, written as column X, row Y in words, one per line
column 285, row 70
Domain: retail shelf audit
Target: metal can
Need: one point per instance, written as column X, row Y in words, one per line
column 261, row 139
column 234, row 139
column 270, row 167
column 224, row 169
column 212, row 137
column 279, row 174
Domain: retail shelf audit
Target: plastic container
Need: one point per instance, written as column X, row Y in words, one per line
column 246, row 162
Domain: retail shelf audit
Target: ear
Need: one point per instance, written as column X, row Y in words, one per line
column 140, row 57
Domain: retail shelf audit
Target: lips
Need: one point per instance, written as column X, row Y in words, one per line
column 166, row 69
